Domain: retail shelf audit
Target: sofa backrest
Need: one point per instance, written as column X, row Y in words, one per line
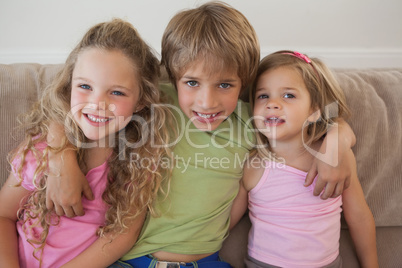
column 375, row 100
column 374, row 97
column 20, row 86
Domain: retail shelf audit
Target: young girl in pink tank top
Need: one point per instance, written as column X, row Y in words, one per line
column 295, row 100
column 104, row 98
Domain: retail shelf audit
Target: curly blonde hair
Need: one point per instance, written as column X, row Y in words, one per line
column 130, row 185
column 322, row 86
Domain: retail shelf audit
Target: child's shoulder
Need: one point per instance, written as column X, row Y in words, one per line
column 241, row 119
column 168, row 90
column 24, row 167
column 253, row 170
column 169, row 95
column 241, row 115
column 243, row 109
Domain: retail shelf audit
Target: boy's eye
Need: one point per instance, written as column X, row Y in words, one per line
column 289, row 96
column 224, row 85
column 85, row 86
column 118, row 93
column 192, row 83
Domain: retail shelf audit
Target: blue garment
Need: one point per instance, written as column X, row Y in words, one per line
column 120, row 264
column 212, row 261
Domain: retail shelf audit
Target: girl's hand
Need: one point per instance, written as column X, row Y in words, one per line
column 333, row 162
column 64, row 192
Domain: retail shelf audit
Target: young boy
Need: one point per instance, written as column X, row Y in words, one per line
column 211, row 54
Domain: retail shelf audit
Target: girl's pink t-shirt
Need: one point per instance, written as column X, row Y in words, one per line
column 290, row 226
column 72, row 235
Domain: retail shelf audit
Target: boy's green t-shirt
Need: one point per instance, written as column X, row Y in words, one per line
column 194, row 218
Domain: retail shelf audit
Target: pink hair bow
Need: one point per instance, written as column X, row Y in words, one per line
column 300, row 56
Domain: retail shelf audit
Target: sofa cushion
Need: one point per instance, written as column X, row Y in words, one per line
column 374, row 98
column 20, row 85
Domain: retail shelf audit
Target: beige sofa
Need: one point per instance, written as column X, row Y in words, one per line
column 375, row 99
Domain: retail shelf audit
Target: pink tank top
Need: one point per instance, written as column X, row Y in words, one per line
column 290, row 226
column 72, row 235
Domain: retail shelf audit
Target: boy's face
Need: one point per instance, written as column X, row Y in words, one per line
column 206, row 97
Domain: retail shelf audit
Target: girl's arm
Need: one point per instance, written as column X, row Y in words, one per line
column 66, row 183
column 10, row 198
column 104, row 252
column 332, row 163
column 252, row 172
column 239, row 206
column 360, row 222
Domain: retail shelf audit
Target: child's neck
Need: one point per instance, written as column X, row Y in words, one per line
column 95, row 157
column 295, row 154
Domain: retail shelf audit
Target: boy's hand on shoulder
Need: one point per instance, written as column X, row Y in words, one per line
column 64, row 193
column 331, row 181
column 65, row 185
column 334, row 162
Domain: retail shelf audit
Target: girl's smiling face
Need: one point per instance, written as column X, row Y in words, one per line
column 282, row 105
column 104, row 93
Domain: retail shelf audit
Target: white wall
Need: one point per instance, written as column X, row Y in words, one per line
column 344, row 33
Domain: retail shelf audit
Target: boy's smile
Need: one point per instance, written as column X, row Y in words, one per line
column 204, row 117
column 206, row 97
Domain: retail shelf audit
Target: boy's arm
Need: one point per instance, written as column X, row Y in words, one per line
column 10, row 199
column 361, row 223
column 332, row 164
column 104, row 252
column 66, row 183
column 239, row 206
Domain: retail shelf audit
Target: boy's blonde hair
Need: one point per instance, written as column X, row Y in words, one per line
column 325, row 93
column 131, row 186
column 214, row 32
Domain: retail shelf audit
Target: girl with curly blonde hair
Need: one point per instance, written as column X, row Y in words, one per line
column 105, row 97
